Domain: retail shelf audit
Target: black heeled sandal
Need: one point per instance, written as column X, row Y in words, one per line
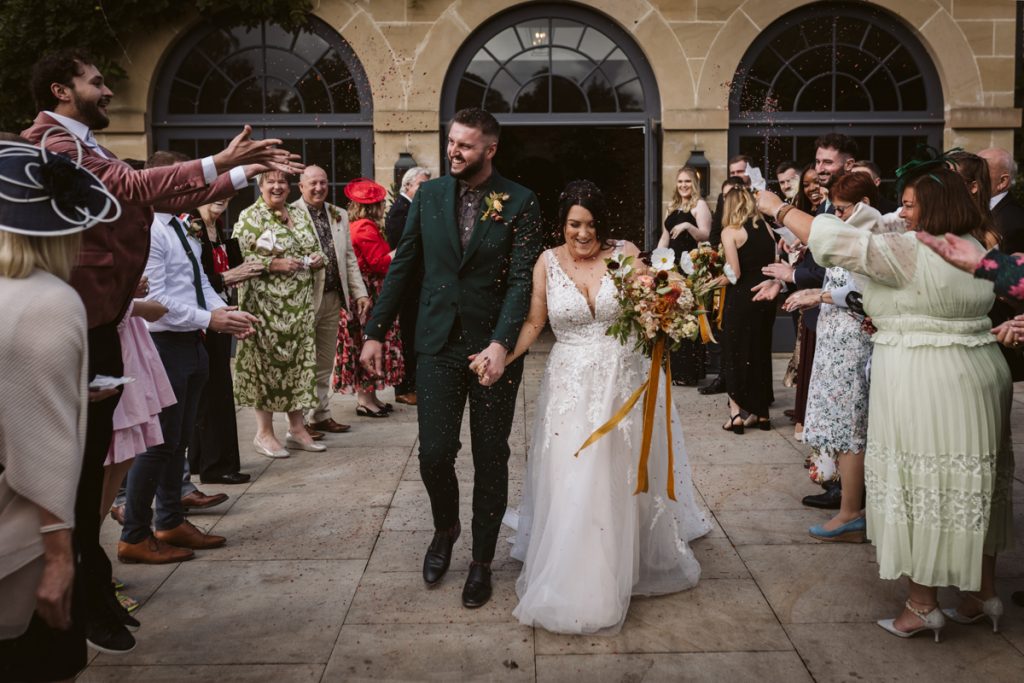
column 732, row 426
column 363, row 411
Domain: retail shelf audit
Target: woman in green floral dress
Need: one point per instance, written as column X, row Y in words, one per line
column 275, row 367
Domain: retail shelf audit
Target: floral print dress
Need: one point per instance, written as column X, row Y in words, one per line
column 275, row 368
column 373, row 255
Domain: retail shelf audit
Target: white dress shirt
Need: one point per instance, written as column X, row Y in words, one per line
column 996, row 199
column 170, row 280
column 85, row 134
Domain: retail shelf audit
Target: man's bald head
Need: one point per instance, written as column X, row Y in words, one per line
column 313, row 186
column 1001, row 168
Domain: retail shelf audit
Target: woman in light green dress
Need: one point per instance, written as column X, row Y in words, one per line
column 938, row 466
column 275, row 367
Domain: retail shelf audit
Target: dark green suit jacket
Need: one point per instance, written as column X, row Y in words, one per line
column 487, row 288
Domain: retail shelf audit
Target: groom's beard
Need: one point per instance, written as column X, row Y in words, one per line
column 469, row 170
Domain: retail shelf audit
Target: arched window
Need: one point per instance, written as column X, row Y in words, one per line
column 576, row 98
column 841, row 67
column 304, row 86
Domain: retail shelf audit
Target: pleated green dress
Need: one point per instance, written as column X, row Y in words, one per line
column 939, row 463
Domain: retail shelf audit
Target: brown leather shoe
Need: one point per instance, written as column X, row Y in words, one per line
column 313, row 434
column 117, row 514
column 408, row 399
column 329, row 425
column 151, row 551
column 198, row 500
column 186, row 535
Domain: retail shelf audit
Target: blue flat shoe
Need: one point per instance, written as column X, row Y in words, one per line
column 853, row 531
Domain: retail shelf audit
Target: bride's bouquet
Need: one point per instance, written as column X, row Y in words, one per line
column 703, row 268
column 656, row 302
column 656, row 313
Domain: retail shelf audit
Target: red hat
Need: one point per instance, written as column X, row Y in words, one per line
column 365, row 191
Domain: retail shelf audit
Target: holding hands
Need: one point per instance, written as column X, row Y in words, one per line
column 489, row 364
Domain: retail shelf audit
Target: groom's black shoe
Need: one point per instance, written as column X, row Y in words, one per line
column 477, row 590
column 439, row 554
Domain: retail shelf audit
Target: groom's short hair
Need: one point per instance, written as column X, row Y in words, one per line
column 475, row 117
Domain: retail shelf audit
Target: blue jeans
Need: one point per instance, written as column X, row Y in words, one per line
column 158, row 471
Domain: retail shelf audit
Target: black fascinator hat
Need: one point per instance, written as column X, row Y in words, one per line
column 46, row 194
column 926, row 160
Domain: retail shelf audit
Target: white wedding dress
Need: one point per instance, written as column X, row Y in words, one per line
column 587, row 543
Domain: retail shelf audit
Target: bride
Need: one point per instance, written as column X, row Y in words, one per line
column 587, row 543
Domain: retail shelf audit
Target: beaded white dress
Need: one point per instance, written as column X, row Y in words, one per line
column 586, row 541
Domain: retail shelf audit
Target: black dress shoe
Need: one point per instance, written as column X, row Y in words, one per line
column 439, row 554
column 477, row 590
column 109, row 637
column 717, row 386
column 229, row 478
column 829, row 500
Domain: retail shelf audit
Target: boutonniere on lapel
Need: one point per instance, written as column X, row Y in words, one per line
column 495, row 206
column 193, row 226
column 335, row 213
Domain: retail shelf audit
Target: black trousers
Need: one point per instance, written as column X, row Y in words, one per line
column 443, row 384
column 213, row 450
column 93, row 573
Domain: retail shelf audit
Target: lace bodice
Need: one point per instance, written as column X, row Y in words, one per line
column 568, row 311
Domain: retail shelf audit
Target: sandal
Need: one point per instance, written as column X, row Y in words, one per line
column 363, row 411
column 129, row 604
column 732, row 426
column 117, row 583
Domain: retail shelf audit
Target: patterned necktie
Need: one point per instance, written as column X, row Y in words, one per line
column 179, row 230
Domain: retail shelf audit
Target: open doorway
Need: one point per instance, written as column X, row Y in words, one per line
column 546, row 158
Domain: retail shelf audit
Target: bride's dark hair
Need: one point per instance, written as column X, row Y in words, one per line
column 588, row 195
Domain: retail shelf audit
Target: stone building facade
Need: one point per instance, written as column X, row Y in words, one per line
column 949, row 70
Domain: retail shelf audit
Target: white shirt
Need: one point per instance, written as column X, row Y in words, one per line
column 996, row 199
column 170, row 280
column 85, row 134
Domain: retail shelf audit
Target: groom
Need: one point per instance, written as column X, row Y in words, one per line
column 475, row 236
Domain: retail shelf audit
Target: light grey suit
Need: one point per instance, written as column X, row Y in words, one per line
column 328, row 304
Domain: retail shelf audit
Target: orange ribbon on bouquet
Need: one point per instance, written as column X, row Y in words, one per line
column 649, row 390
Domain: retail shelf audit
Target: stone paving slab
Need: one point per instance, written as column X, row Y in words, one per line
column 320, row 578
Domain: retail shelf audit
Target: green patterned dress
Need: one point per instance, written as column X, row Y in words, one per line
column 939, row 462
column 275, row 368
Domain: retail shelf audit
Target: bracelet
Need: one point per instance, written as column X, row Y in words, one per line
column 49, row 528
column 821, row 297
column 780, row 215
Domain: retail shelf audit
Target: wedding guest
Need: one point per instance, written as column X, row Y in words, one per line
column 938, row 476
column 687, row 224
column 837, row 404
column 834, row 157
column 70, row 92
column 788, row 175
column 746, row 324
column 340, row 284
column 885, row 204
column 366, row 209
column 213, row 451
column 43, row 401
column 738, row 166
column 717, row 385
column 275, row 369
column 810, row 197
column 394, row 227
column 178, row 283
column 1007, row 212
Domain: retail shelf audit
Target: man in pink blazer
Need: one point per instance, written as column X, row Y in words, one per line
column 72, row 98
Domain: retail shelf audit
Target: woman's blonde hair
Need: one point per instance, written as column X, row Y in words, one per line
column 21, row 254
column 375, row 212
column 677, row 199
column 738, row 207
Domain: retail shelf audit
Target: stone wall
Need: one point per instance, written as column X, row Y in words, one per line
column 694, row 47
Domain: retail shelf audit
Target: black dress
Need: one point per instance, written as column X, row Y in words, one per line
column 747, row 326
column 688, row 361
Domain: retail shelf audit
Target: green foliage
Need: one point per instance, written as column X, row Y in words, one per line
column 32, row 28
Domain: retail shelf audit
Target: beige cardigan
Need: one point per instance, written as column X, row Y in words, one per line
column 43, row 400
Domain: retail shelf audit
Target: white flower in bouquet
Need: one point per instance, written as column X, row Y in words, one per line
column 729, row 274
column 663, row 258
column 686, row 263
